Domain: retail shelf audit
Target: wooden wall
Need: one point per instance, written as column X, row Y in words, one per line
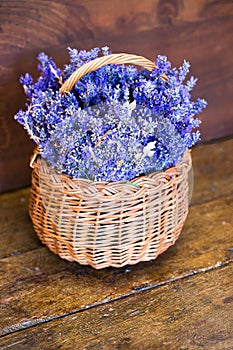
column 200, row 31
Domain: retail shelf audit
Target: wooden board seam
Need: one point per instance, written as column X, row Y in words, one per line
column 28, row 324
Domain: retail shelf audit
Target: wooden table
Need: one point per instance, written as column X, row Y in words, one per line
column 182, row 300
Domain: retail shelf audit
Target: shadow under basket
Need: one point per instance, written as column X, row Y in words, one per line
column 109, row 224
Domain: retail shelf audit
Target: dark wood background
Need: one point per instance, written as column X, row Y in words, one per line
column 200, row 31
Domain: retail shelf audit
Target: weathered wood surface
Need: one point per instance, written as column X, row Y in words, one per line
column 16, row 232
column 199, row 31
column 70, row 305
column 191, row 313
column 213, row 171
column 38, row 286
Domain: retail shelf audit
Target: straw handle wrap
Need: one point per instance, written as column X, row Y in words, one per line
column 117, row 58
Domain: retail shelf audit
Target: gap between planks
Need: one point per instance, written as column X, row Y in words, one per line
column 134, row 291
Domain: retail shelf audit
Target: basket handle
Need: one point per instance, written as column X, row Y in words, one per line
column 117, row 58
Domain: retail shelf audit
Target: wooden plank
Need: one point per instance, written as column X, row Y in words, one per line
column 16, row 232
column 191, row 313
column 213, row 178
column 213, row 171
column 37, row 286
column 178, row 29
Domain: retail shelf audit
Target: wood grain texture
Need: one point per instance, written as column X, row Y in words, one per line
column 194, row 313
column 213, row 171
column 182, row 300
column 37, row 285
column 16, row 231
column 199, row 31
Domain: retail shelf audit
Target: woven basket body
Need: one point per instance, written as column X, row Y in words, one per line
column 109, row 224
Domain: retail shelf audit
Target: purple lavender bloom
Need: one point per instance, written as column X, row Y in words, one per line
column 117, row 122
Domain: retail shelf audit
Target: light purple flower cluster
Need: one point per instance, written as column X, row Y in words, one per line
column 116, row 123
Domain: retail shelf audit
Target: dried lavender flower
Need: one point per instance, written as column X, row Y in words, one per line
column 116, row 123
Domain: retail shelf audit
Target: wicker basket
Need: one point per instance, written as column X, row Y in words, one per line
column 109, row 224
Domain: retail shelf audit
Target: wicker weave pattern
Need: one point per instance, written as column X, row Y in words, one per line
column 109, row 224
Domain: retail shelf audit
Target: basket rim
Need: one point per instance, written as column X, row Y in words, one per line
column 185, row 161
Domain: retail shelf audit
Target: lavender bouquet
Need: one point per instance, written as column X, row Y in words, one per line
column 116, row 123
